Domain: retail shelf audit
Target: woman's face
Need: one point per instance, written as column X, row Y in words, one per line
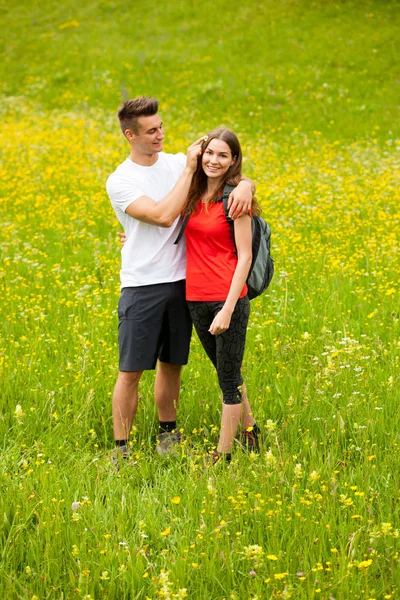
column 217, row 159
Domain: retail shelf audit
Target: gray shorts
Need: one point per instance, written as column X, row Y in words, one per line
column 154, row 323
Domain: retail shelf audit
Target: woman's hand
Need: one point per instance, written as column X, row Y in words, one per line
column 193, row 153
column 221, row 322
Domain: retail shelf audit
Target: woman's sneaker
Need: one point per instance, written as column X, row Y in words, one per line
column 216, row 458
column 250, row 440
column 167, row 442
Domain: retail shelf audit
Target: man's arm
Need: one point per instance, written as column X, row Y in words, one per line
column 253, row 185
column 164, row 213
column 241, row 197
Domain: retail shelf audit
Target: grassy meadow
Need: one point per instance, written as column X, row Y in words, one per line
column 312, row 88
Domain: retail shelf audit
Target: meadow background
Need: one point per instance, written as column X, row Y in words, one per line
column 312, row 88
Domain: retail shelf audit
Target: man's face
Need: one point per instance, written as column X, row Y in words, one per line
column 150, row 135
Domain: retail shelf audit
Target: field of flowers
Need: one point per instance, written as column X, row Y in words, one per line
column 316, row 513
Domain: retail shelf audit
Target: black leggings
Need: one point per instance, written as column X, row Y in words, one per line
column 226, row 349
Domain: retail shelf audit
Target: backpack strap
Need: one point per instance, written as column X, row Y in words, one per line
column 182, row 229
column 224, row 199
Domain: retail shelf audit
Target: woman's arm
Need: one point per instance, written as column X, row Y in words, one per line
column 243, row 240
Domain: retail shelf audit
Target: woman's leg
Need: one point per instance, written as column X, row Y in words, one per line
column 230, row 349
column 247, row 419
column 226, row 353
column 250, row 431
column 229, row 423
column 202, row 316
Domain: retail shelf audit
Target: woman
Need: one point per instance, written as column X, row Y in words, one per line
column 217, row 269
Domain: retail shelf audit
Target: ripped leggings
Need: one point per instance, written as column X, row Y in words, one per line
column 226, row 349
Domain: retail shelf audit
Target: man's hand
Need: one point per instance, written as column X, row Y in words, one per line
column 122, row 238
column 193, row 153
column 240, row 199
column 221, row 322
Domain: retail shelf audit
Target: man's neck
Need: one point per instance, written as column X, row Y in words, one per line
column 145, row 160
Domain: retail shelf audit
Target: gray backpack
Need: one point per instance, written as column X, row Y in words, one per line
column 262, row 265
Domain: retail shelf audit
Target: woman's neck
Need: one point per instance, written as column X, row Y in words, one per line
column 213, row 186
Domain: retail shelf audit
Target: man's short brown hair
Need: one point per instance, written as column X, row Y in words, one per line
column 131, row 110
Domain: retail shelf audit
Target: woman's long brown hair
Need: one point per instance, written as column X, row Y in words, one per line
column 198, row 187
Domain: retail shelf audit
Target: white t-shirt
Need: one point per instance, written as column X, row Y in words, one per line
column 149, row 254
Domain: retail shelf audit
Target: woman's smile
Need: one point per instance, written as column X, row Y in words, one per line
column 217, row 158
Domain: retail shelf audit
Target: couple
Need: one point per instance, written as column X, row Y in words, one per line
column 149, row 191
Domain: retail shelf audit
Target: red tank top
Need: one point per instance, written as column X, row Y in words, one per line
column 211, row 257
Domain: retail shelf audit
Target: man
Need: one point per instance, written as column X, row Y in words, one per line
column 148, row 192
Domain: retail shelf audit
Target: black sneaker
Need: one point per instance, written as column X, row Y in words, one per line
column 120, row 454
column 167, row 442
column 250, row 441
column 215, row 458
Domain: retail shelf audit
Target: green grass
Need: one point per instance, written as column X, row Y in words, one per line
column 312, row 66
column 312, row 90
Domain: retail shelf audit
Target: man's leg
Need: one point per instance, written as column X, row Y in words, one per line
column 140, row 312
column 166, row 390
column 174, row 352
column 166, row 395
column 125, row 400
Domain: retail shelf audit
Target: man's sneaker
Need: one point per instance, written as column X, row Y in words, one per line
column 250, row 441
column 167, row 442
column 120, row 453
